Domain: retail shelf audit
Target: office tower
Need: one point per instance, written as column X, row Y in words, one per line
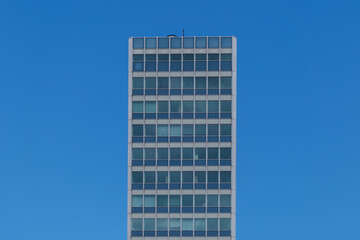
column 182, row 138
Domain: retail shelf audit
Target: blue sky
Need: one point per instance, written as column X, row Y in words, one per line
column 63, row 114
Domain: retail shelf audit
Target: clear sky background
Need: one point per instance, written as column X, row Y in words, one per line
column 63, row 114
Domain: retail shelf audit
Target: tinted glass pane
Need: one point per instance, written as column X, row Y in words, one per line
column 175, row 42
column 138, row 43
column 136, row 224
column 225, row 224
column 213, row 82
column 225, row 129
column 188, row 106
column 175, row 153
column 137, row 201
column 150, row 83
column 213, row 42
column 200, row 56
column 150, row 177
column 187, row 153
column 187, row 176
column 137, row 177
column 188, row 42
column 150, row 130
column 200, row 224
column 188, row 129
column 150, row 107
column 137, row 130
column 137, row 107
column 226, row 56
column 212, row 200
column 225, row 153
column 137, row 153
column 200, row 129
column 212, row 224
column 187, row 200
column 213, row 106
column 163, row 57
column 225, row 106
column 162, row 224
column 187, row 224
column 200, row 201
column 163, row 82
column 138, row 83
column 175, row 130
column 163, row 42
column 201, row 42
column 226, row 82
column 213, row 57
column 162, row 200
column 226, row 42
column 225, row 177
column 150, row 42
column 175, row 200
column 188, row 82
column 162, row 130
column 175, row 106
column 149, row 224
column 149, row 153
column 200, row 177
column 213, row 177
column 149, row 201
column 163, row 153
column 200, row 82
column 225, row 200
column 174, row 224
column 200, row 106
column 213, row 129
column 213, row 153
column 175, row 177
column 200, row 153
column 163, row 106
column 175, row 82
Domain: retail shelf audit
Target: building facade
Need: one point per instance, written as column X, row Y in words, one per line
column 182, row 138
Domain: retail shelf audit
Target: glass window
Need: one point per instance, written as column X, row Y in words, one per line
column 200, row 224
column 225, row 153
column 162, row 130
column 176, row 57
column 150, row 130
column 226, row 57
column 187, row 177
column 175, row 83
column 150, row 107
column 175, row 130
column 163, row 63
column 188, row 82
column 175, row 62
column 149, row 201
column 213, row 82
column 200, row 153
column 175, row 106
column 162, row 200
column 213, row 106
column 225, row 224
column 225, row 106
column 137, row 201
column 200, row 177
column 137, row 154
column 150, row 65
column 175, row 42
column 187, row 224
column 163, row 82
column 150, row 83
column 213, row 153
column 162, row 224
column 162, row 177
column 163, row 42
column 187, row 153
column 150, row 43
column 201, row 42
column 188, row 57
column 213, row 42
column 200, row 106
column 138, row 83
column 212, row 200
column 138, row 62
column 200, row 129
column 213, row 177
column 225, row 129
column 174, row 224
column 149, row 177
column 175, row 153
column 138, row 43
column 136, row 224
column 199, row 200
column 226, row 42
column 175, row 200
column 225, row 177
column 149, row 224
column 200, row 83
column 137, row 107
column 213, row 57
column 137, row 177
column 188, row 129
column 225, row 200
column 225, row 82
column 163, row 106
column 162, row 153
column 175, row 177
column 188, row 106
column 213, row 130
column 201, row 57
column 138, row 130
column 212, row 224
column 149, row 153
column 188, row 42
column 187, row 200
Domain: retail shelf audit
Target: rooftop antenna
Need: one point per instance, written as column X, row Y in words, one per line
column 183, row 32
